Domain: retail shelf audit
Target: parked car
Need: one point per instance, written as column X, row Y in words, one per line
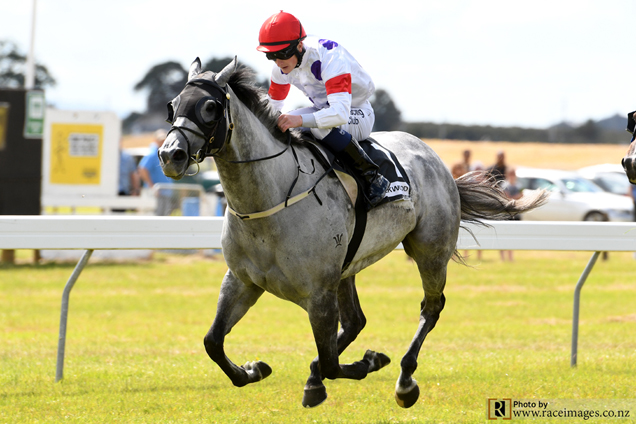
column 608, row 176
column 573, row 198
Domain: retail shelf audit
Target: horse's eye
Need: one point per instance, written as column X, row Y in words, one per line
column 209, row 110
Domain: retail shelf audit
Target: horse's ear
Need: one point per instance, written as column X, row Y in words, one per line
column 195, row 69
column 224, row 76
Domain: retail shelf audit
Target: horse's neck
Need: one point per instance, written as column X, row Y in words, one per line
column 254, row 186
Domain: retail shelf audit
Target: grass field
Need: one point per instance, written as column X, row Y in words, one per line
column 134, row 352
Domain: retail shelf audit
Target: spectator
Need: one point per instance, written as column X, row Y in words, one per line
column 468, row 167
column 460, row 168
column 151, row 173
column 498, row 170
column 510, row 186
column 129, row 182
column 149, row 167
column 512, row 191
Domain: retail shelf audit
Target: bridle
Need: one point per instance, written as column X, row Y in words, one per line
column 217, row 134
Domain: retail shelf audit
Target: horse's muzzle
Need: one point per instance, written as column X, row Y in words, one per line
column 174, row 162
column 629, row 165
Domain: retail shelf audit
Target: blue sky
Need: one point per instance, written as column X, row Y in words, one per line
column 487, row 62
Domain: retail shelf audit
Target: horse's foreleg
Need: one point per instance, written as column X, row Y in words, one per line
column 352, row 321
column 235, row 299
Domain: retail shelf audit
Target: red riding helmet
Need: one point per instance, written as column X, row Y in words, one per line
column 280, row 31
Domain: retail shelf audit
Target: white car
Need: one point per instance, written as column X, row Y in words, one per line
column 573, row 198
column 608, row 176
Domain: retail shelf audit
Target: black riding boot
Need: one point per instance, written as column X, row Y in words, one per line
column 376, row 184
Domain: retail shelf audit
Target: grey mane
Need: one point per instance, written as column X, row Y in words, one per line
column 242, row 82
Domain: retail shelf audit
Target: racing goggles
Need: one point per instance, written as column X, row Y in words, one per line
column 283, row 54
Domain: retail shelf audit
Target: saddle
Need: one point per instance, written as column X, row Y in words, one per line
column 389, row 167
column 388, row 164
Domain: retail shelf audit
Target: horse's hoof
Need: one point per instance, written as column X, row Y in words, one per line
column 377, row 360
column 408, row 399
column 314, row 396
column 257, row 370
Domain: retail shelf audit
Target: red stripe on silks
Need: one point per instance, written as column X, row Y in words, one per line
column 339, row 84
column 278, row 91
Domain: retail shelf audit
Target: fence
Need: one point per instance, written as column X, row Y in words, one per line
column 91, row 233
column 163, row 200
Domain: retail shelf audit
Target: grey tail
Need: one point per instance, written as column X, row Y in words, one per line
column 482, row 198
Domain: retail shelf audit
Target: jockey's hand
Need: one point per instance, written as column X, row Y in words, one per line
column 286, row 122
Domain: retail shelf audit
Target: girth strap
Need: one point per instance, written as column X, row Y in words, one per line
column 359, row 226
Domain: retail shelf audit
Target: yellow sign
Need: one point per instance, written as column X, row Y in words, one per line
column 4, row 123
column 76, row 153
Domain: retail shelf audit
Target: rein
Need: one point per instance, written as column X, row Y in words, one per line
column 288, row 199
column 259, row 159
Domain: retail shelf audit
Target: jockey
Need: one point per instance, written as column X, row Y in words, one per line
column 337, row 86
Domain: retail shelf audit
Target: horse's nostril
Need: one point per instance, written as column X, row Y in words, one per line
column 179, row 156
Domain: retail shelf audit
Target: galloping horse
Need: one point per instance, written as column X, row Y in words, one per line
column 289, row 220
column 629, row 161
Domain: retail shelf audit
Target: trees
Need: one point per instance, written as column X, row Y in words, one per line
column 162, row 83
column 387, row 116
column 12, row 68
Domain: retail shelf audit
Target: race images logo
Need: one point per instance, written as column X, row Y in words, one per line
column 499, row 409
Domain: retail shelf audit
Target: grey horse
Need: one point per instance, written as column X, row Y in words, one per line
column 290, row 220
column 629, row 163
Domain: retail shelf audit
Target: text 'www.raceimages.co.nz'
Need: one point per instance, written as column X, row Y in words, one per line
column 522, row 409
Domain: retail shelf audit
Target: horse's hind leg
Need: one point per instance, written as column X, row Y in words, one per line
column 352, row 321
column 235, row 299
column 433, row 273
